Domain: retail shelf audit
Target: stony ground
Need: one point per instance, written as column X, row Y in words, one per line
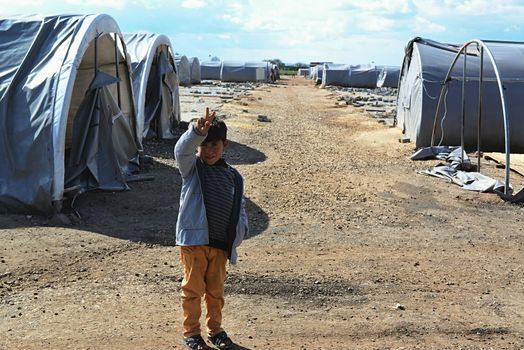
column 351, row 248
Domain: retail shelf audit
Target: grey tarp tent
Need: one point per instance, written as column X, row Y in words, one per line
column 155, row 84
column 66, row 110
column 183, row 69
column 363, row 76
column 336, row 74
column 210, row 70
column 423, row 72
column 194, row 70
column 243, row 72
column 388, row 76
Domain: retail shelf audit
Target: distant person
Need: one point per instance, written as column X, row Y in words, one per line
column 212, row 222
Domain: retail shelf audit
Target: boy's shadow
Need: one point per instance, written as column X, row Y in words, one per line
column 237, row 154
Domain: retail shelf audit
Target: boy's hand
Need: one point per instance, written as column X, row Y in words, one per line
column 204, row 123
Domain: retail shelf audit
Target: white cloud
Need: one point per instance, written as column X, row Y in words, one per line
column 471, row 8
column 383, row 6
column 224, row 36
column 423, row 25
column 374, row 23
column 19, row 4
column 193, row 4
column 114, row 4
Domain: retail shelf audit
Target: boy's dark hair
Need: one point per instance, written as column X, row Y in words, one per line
column 217, row 131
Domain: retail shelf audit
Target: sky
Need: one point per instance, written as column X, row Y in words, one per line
column 340, row 31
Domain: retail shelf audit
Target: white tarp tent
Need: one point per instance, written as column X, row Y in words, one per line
column 183, row 69
column 66, row 110
column 423, row 72
column 155, row 83
column 210, row 70
column 194, row 70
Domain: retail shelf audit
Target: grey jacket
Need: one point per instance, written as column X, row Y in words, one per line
column 191, row 226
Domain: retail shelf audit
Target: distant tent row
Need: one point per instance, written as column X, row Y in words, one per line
column 72, row 119
column 424, row 70
column 358, row 76
column 236, row 71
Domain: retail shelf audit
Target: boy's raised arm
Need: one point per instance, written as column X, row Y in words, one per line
column 187, row 144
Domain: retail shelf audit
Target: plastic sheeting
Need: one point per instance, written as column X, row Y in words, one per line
column 47, row 66
column 456, row 160
column 210, row 70
column 424, row 69
column 194, row 70
column 155, row 84
column 183, row 69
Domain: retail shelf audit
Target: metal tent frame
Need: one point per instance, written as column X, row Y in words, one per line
column 482, row 48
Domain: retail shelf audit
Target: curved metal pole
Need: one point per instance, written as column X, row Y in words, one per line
column 502, row 101
column 479, row 121
column 463, row 109
column 442, row 93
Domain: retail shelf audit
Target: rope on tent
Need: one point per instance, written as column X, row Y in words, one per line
column 443, row 118
column 426, row 91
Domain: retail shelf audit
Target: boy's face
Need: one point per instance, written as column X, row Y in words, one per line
column 211, row 152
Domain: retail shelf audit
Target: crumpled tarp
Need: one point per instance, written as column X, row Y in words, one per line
column 468, row 180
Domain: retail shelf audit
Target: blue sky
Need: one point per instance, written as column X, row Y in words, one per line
column 341, row 31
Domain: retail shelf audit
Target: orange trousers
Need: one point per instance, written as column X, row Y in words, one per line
column 204, row 275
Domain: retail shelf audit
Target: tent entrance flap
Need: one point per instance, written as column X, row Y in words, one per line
column 160, row 111
column 99, row 156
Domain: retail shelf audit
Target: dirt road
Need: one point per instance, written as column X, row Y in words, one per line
column 351, row 249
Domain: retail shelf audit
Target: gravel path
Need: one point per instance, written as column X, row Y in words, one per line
column 350, row 248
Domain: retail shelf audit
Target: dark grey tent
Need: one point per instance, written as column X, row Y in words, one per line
column 210, row 70
column 423, row 73
column 363, row 76
column 243, row 72
column 388, row 76
column 66, row 110
column 183, row 69
column 194, row 70
column 336, row 74
column 155, row 84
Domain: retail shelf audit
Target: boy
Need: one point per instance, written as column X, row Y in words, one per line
column 211, row 223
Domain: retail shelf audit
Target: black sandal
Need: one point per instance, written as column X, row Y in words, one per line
column 195, row 342
column 221, row 341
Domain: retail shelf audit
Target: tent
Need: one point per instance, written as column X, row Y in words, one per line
column 210, row 70
column 194, row 70
column 155, row 84
column 303, row 72
column 242, row 72
column 316, row 72
column 363, row 76
column 183, row 69
column 336, row 74
column 424, row 70
column 388, row 77
column 66, row 110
